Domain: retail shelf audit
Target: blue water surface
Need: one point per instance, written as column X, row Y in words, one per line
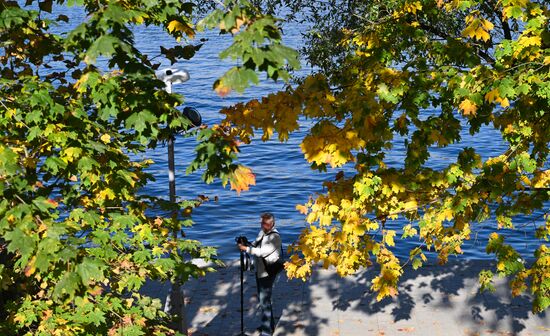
column 283, row 177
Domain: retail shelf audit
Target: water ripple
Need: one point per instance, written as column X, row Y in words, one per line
column 284, row 179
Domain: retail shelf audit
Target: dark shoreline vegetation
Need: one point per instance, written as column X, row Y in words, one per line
column 80, row 231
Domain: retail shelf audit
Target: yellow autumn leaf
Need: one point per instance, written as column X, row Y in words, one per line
column 482, row 34
column 71, row 153
column 330, row 146
column 410, row 205
column 333, row 208
column 325, row 220
column 157, row 251
column 412, row 7
column 106, row 138
column 447, row 214
column 241, row 179
column 79, row 85
column 468, row 107
column 185, row 28
column 409, row 231
column 106, row 193
column 542, row 179
column 492, row 96
column 371, row 225
column 139, row 19
column 504, row 102
column 478, row 28
column 487, row 25
column 530, row 41
column 302, row 208
column 359, row 230
column 303, row 271
column 388, row 237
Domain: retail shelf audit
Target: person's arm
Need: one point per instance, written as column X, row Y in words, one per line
column 253, row 244
column 270, row 244
column 258, row 239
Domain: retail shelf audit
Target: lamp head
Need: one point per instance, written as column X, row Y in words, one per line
column 174, row 76
column 193, row 115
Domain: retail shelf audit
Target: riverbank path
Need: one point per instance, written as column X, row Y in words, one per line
column 433, row 300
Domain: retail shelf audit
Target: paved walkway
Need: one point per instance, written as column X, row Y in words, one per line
column 433, row 300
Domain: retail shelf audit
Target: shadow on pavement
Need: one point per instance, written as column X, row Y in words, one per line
column 434, row 300
column 438, row 297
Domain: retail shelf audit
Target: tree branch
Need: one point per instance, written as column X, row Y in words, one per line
column 439, row 33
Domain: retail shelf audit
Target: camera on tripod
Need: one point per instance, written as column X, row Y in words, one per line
column 242, row 240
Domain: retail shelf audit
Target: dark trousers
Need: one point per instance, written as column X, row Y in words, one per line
column 265, row 288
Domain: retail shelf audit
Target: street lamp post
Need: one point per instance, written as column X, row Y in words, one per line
column 169, row 77
column 175, row 303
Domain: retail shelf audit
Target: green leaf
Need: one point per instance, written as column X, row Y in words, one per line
column 34, row 132
column 53, row 164
column 416, row 263
column 96, row 317
column 103, row 46
column 20, row 242
column 237, row 78
column 131, row 330
column 44, row 204
column 90, row 269
column 8, row 161
column 139, row 120
column 123, row 221
column 72, row 3
column 486, row 280
column 386, row 94
column 67, row 285
column 86, row 164
column 506, row 88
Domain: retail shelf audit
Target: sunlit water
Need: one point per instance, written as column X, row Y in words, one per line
column 283, row 178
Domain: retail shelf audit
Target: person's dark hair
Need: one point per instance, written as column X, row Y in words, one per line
column 268, row 216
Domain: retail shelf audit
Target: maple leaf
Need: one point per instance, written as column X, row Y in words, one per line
column 478, row 28
column 413, row 7
column 504, row 102
column 530, row 41
column 176, row 25
column 388, row 238
column 241, row 179
column 302, row 208
column 492, row 95
column 468, row 107
column 542, row 179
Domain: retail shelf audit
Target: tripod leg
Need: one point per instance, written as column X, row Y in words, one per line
column 242, row 294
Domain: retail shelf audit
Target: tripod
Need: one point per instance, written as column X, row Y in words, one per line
column 242, row 295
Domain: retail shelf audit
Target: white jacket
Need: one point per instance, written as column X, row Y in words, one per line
column 268, row 246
